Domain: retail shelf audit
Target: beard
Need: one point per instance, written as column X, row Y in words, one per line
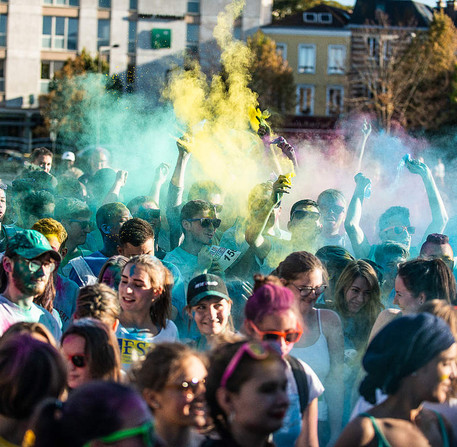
column 27, row 284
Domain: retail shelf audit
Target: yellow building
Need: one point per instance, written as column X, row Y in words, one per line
column 316, row 44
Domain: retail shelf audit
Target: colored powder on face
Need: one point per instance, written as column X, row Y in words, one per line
column 444, row 377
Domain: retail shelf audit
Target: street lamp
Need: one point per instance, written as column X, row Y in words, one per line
column 102, row 49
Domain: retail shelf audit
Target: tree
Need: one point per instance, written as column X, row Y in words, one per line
column 406, row 77
column 272, row 77
column 74, row 93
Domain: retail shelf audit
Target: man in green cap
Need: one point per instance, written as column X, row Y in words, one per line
column 26, row 267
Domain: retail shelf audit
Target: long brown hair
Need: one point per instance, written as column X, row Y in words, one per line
column 160, row 277
column 354, row 270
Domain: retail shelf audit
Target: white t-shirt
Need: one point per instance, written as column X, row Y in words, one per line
column 11, row 313
column 136, row 343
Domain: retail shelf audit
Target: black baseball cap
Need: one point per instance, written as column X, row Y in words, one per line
column 206, row 286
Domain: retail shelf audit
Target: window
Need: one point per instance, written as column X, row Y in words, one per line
column 305, row 100
column 2, row 75
column 281, row 49
column 193, row 33
column 309, row 17
column 104, row 3
column 335, row 100
column 132, row 36
column 133, row 5
column 103, row 33
column 3, row 21
column 60, row 33
column 325, row 17
column 373, row 47
column 306, row 58
column 61, row 2
column 193, row 7
column 48, row 70
column 336, row 59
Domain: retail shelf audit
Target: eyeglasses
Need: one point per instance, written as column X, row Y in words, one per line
column 290, row 336
column 78, row 360
column 308, row 215
column 192, row 386
column 400, row 229
column 307, row 290
column 255, row 350
column 34, row 266
column 145, row 430
column 206, row 222
column 84, row 223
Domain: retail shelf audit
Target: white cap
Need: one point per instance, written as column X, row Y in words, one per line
column 68, row 156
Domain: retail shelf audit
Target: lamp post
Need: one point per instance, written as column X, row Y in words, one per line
column 102, row 49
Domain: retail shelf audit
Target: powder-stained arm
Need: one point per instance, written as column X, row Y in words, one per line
column 258, row 220
column 359, row 241
column 159, row 179
column 115, row 191
column 439, row 214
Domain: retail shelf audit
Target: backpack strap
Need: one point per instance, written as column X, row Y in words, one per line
column 301, row 380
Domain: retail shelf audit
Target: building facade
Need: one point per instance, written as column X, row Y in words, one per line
column 316, row 44
column 141, row 39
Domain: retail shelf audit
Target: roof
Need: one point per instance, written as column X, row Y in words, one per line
column 340, row 18
column 404, row 13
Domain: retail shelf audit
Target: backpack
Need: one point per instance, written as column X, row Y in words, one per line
column 301, row 379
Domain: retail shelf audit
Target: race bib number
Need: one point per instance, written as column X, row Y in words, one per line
column 224, row 256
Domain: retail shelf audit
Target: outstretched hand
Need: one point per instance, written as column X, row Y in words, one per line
column 280, row 187
column 121, row 178
column 162, row 172
column 416, row 167
column 366, row 128
column 362, row 181
column 287, row 149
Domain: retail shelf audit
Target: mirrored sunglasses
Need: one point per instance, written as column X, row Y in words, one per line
column 34, row 266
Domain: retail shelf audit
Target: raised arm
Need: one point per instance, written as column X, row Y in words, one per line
column 259, row 219
column 115, row 191
column 439, row 214
column 176, row 189
column 359, row 241
column 159, row 179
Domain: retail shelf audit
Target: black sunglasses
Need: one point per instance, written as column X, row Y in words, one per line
column 302, row 214
column 206, row 222
column 79, row 361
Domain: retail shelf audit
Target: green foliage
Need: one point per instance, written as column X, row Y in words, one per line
column 69, row 98
column 272, row 77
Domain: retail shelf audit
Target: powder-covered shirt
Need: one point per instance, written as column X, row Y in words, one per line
column 11, row 313
column 136, row 343
column 65, row 300
column 184, row 261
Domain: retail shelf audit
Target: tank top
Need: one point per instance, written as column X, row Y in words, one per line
column 317, row 356
column 383, row 442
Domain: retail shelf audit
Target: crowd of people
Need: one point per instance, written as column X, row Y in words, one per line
column 151, row 322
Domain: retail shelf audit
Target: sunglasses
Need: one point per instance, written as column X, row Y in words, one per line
column 307, row 290
column 78, row 360
column 34, row 266
column 148, row 214
column 335, row 209
column 255, row 350
column 400, row 229
column 290, row 336
column 192, row 386
column 206, row 222
column 303, row 214
column 83, row 223
column 145, row 430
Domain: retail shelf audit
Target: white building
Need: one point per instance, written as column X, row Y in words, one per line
column 142, row 39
